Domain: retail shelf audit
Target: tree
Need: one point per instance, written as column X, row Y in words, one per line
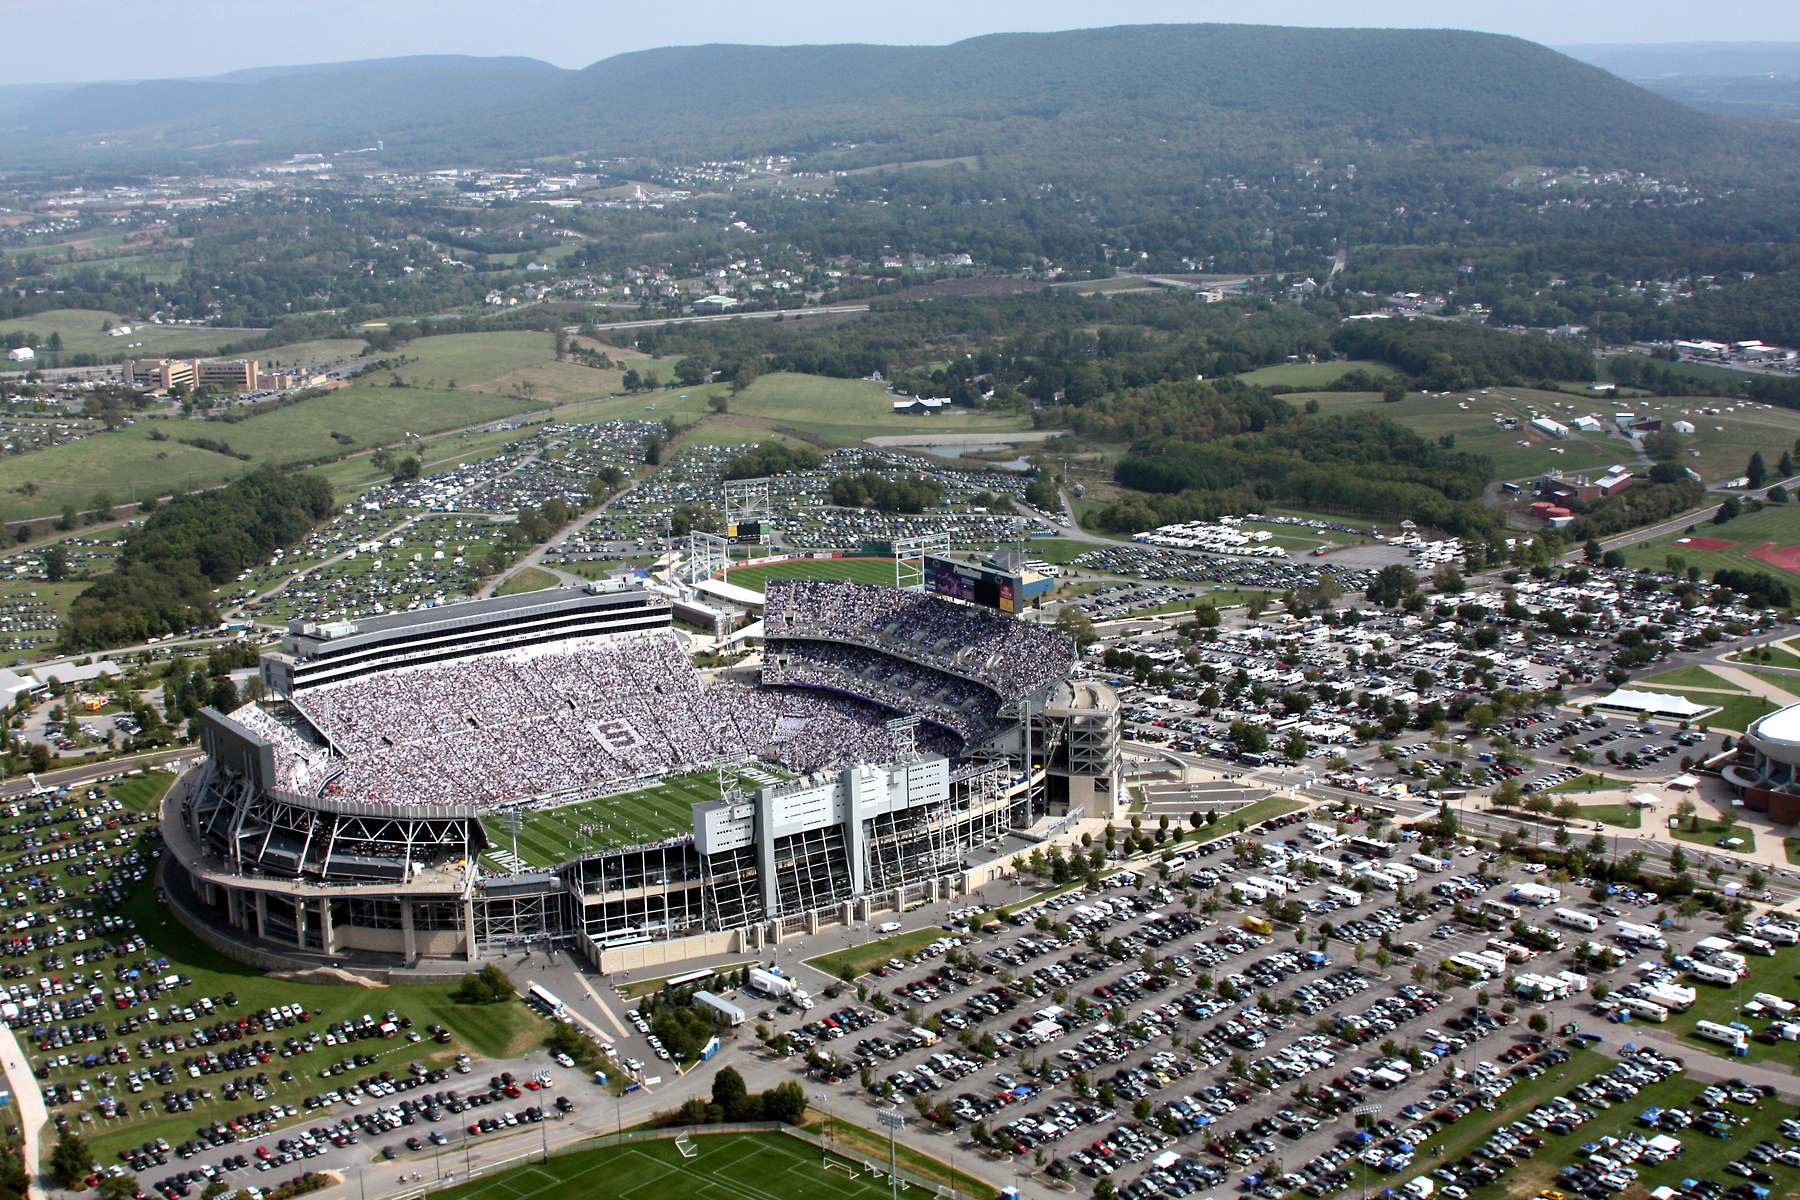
column 56, row 564
column 730, row 1094
column 1073, row 620
column 71, row 1161
column 123, row 1187
column 1538, row 1022
column 784, row 1102
column 486, row 986
column 1755, row 470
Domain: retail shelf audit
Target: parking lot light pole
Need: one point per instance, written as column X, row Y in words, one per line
column 1365, row 1110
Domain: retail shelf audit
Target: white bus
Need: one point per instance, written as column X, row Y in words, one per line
column 1424, row 862
column 1577, row 920
column 544, row 1000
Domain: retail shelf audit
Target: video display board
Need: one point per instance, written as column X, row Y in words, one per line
column 985, row 586
column 749, row 533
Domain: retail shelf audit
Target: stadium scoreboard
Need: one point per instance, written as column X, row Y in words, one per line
column 983, row 585
column 746, row 533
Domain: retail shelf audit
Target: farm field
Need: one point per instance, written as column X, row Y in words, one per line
column 80, row 331
column 1777, row 523
column 860, row 570
column 553, row 835
column 1473, row 428
column 844, row 411
column 1300, row 377
column 324, row 350
column 754, row 1166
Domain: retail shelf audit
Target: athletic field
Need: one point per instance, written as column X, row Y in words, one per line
column 860, row 570
column 750, row 1166
column 554, row 835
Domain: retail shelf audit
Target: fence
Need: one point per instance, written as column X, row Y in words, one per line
column 606, row 1140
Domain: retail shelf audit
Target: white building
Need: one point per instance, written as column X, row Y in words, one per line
column 22, row 354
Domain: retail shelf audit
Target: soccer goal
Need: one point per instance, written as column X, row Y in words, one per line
column 846, row 1168
column 686, row 1146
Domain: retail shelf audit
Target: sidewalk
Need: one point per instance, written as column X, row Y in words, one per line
column 33, row 1116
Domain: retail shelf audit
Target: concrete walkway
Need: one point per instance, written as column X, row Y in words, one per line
column 33, row 1116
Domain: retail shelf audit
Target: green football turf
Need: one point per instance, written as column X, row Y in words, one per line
column 555, row 835
column 859, row 570
column 768, row 1166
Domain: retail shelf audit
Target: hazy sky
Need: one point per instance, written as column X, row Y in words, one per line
column 55, row 40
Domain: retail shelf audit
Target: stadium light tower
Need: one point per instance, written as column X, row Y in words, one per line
column 747, row 511
column 893, row 1119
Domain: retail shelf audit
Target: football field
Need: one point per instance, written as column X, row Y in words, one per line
column 752, row 1166
column 858, row 570
column 554, row 835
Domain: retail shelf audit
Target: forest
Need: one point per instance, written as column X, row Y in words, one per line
column 164, row 577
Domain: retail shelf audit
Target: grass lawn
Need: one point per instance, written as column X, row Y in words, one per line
column 1778, row 523
column 324, row 350
column 80, row 330
column 1325, row 518
column 873, row 954
column 1720, row 1004
column 844, row 411
column 1792, row 846
column 1692, row 677
column 531, row 579
column 1585, row 782
column 1299, row 377
column 1262, row 810
column 1452, row 1142
column 1711, row 832
column 1473, row 428
column 1622, row 815
column 1785, row 683
column 492, row 1031
column 1702, row 1157
column 1780, row 654
column 861, row 570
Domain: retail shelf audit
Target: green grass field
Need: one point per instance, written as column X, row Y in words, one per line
column 1778, row 523
column 755, row 1166
column 1621, row 815
column 1773, row 654
column 325, row 350
column 1691, row 677
column 81, row 334
column 1473, row 428
column 554, row 835
column 1701, row 1157
column 872, row 954
column 1300, row 377
column 493, row 1031
column 531, row 579
column 844, row 411
column 1708, row 833
column 1735, row 711
column 1720, row 1004
column 859, row 570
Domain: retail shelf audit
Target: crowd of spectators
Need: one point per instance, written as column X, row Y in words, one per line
column 1007, row 656
column 964, row 708
column 500, row 727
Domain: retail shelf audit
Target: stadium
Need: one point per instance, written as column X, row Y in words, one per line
column 1764, row 771
column 552, row 767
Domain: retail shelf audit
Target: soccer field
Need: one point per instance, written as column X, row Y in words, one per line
column 756, row 1166
column 554, row 835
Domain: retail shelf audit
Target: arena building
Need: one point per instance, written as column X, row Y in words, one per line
column 1765, row 772
column 919, row 740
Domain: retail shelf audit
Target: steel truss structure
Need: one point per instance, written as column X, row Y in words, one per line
column 746, row 502
column 909, row 559
column 281, row 835
column 708, row 555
